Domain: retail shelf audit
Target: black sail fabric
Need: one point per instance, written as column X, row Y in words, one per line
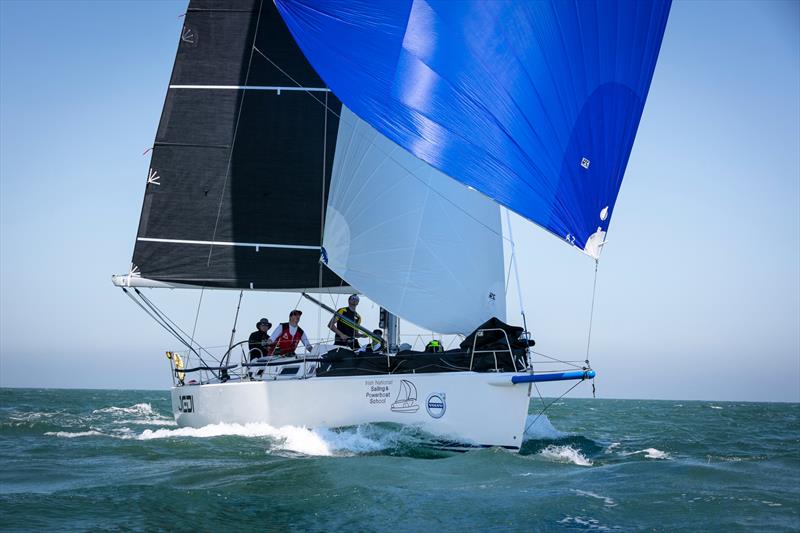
column 242, row 159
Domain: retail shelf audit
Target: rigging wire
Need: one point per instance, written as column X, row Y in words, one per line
column 235, row 321
column 516, row 270
column 175, row 328
column 197, row 314
column 322, row 197
column 568, row 362
column 161, row 322
column 528, row 426
column 591, row 312
column 233, row 142
column 311, row 94
column 389, row 156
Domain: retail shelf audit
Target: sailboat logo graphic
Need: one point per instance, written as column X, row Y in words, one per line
column 406, row 401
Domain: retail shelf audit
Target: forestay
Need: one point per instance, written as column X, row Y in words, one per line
column 535, row 104
column 422, row 245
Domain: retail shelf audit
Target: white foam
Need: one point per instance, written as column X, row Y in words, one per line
column 715, row 407
column 612, row 447
column 649, row 453
column 72, row 435
column 652, row 453
column 565, row 454
column 318, row 442
column 150, row 422
column 142, row 409
column 357, row 440
column 608, row 502
column 541, row 428
column 583, row 523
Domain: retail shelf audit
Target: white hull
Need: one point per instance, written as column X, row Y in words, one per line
column 482, row 409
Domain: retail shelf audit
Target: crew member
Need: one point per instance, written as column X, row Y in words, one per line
column 345, row 333
column 374, row 346
column 288, row 335
column 259, row 339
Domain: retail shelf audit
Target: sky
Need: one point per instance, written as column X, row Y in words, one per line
column 698, row 289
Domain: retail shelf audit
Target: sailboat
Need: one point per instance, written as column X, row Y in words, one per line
column 335, row 147
column 406, row 401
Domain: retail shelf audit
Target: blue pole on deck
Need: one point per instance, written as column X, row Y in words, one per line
column 554, row 376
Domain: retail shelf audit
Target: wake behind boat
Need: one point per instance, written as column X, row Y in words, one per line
column 386, row 179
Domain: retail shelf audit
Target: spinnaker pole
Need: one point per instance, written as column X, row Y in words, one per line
column 346, row 320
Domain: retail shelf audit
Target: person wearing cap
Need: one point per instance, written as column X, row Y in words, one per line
column 374, row 345
column 288, row 335
column 345, row 333
column 259, row 339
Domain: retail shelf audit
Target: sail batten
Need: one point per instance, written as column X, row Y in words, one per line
column 227, row 243
column 253, row 88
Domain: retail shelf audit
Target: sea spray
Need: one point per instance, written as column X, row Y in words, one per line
column 565, row 454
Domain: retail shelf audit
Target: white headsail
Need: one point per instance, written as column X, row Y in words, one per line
column 422, row 245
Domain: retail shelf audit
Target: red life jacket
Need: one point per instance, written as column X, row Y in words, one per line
column 287, row 342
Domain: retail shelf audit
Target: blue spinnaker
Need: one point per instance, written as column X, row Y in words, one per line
column 533, row 103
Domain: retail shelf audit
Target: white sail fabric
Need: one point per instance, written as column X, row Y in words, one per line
column 422, row 245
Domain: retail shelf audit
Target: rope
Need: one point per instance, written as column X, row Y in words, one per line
column 591, row 313
column 197, row 315
column 172, row 327
column 516, row 271
column 322, row 199
column 571, row 363
column 161, row 322
column 550, row 404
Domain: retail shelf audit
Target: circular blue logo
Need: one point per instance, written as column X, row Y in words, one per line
column 436, row 405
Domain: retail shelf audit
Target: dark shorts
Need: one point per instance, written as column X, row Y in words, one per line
column 349, row 343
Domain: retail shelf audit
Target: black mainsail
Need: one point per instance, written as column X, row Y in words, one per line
column 242, row 159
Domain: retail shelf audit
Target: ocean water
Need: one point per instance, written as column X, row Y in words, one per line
column 115, row 460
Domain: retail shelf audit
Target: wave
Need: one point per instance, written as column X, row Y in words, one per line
column 608, row 502
column 141, row 409
column 611, row 447
column 143, row 414
column 539, row 427
column 72, row 435
column 652, row 453
column 314, row 442
column 565, row 454
column 583, row 522
column 147, row 422
column 649, row 453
